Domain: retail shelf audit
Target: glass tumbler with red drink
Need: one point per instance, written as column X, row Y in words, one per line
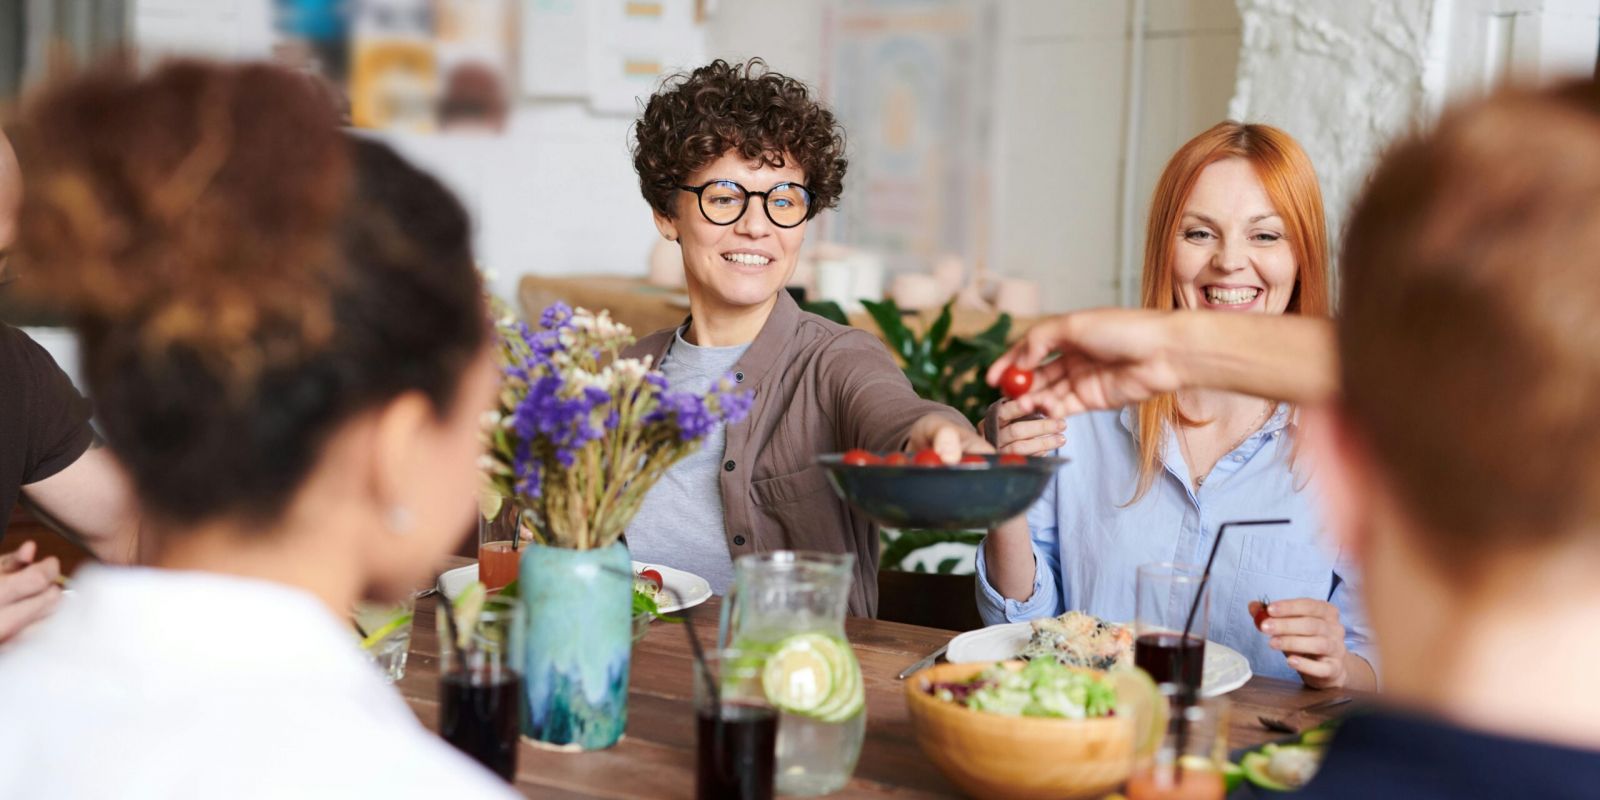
column 1165, row 595
column 500, row 543
column 736, row 729
column 480, row 682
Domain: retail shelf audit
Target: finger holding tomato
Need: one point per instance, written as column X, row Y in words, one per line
column 1024, row 433
column 947, row 438
column 1311, row 637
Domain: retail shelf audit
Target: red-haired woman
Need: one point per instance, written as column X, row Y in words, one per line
column 1236, row 226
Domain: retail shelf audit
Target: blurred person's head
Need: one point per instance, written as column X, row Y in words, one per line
column 722, row 130
column 10, row 200
column 281, row 325
column 1236, row 224
column 1467, row 442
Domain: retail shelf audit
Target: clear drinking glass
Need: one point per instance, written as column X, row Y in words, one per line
column 1188, row 763
column 500, row 544
column 736, row 729
column 384, row 630
column 480, row 684
column 1165, row 593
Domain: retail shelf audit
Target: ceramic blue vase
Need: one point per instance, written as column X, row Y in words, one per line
column 579, row 607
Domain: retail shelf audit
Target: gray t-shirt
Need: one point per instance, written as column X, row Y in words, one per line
column 679, row 524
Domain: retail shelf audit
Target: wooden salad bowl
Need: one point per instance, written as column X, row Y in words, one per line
column 992, row 755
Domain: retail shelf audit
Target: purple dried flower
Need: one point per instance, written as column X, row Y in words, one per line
column 556, row 317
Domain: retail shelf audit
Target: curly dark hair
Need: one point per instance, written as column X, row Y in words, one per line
column 744, row 108
column 245, row 277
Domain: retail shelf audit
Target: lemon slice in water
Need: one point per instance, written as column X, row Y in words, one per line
column 799, row 676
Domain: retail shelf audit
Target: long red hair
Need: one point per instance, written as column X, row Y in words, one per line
column 1291, row 184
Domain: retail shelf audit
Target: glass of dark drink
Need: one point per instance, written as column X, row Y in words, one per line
column 1165, row 594
column 480, row 683
column 736, row 729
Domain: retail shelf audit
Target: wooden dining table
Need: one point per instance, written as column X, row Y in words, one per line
column 656, row 757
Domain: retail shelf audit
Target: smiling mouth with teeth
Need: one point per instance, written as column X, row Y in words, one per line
column 1231, row 297
column 747, row 259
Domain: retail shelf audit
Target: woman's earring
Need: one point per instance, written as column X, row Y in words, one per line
column 399, row 519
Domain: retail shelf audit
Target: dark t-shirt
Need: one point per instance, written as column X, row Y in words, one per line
column 1389, row 756
column 44, row 422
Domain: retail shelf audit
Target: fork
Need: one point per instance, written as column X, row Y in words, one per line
column 1281, row 725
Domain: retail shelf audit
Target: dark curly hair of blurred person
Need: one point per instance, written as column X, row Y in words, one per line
column 745, row 108
column 244, row 276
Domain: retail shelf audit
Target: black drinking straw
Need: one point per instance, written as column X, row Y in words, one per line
column 1188, row 695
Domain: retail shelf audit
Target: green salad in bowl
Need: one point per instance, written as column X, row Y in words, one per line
column 1042, row 688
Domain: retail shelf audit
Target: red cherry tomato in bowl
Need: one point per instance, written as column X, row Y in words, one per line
column 927, row 458
column 974, row 458
column 1015, row 382
column 1012, row 459
column 653, row 577
column 896, row 460
column 860, row 458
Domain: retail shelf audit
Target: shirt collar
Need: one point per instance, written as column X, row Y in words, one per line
column 1281, row 418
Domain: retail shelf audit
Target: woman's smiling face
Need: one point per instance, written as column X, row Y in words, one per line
column 1232, row 253
column 743, row 264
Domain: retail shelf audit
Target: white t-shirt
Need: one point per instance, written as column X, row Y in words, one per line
column 152, row 683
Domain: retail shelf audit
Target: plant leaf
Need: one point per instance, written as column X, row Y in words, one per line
column 887, row 315
column 828, row 310
column 948, row 565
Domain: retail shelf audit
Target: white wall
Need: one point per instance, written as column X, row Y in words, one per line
column 1345, row 78
column 1063, row 130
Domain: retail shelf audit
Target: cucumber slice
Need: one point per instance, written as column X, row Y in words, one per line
column 848, row 696
column 1232, row 776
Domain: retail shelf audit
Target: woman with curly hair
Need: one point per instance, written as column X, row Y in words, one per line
column 286, row 337
column 735, row 160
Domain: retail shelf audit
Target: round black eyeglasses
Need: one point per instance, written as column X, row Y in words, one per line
column 724, row 202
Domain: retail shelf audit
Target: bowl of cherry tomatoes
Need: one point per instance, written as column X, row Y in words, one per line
column 918, row 490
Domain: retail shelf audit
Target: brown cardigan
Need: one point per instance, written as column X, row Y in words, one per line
column 819, row 388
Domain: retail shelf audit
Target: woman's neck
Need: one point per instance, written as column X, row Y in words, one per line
column 271, row 555
column 717, row 325
column 1221, row 409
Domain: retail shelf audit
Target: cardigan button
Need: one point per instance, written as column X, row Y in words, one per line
column 728, row 466
column 738, row 377
column 739, row 540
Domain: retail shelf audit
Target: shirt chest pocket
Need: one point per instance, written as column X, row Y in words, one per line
column 1280, row 567
column 786, row 489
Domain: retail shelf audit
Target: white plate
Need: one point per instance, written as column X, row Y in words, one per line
column 1226, row 668
column 691, row 588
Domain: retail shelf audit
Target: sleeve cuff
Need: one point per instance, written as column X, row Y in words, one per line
column 995, row 609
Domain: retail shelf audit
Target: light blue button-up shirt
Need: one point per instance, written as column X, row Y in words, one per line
column 1088, row 542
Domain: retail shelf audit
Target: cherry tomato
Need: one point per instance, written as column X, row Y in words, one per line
column 653, row 577
column 1012, row 459
column 974, row 458
column 927, row 458
column 860, row 458
column 896, row 460
column 1260, row 614
column 1015, row 382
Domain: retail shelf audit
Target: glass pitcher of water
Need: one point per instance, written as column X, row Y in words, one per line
column 786, row 609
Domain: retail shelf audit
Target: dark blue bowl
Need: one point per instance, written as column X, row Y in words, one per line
column 954, row 497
